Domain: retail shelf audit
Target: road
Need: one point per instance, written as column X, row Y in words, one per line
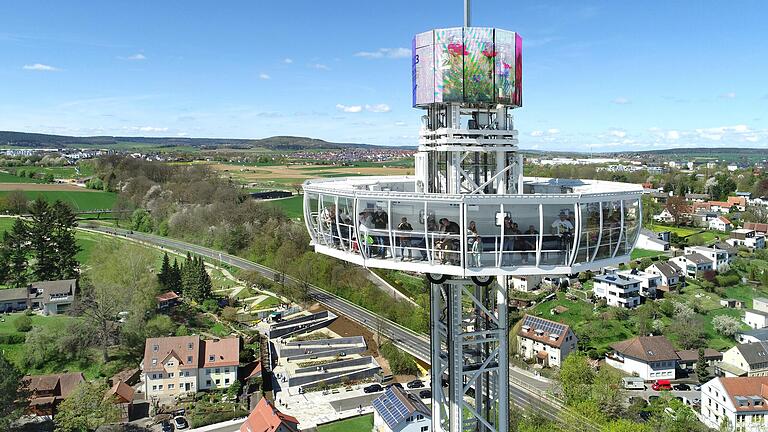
column 525, row 390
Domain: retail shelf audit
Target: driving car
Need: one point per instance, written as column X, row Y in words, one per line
column 180, row 423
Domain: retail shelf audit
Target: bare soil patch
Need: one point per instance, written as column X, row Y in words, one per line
column 43, row 187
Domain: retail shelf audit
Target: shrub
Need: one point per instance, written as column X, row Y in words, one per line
column 210, row 305
column 23, row 323
column 400, row 362
column 11, row 339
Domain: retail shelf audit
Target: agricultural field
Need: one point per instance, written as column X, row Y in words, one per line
column 10, row 178
column 293, row 207
column 79, row 198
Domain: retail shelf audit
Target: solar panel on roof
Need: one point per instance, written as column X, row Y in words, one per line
column 542, row 324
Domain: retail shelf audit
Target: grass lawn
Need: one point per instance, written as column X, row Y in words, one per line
column 87, row 241
column 85, row 200
column 10, row 178
column 642, row 253
column 354, row 424
column 680, row 231
column 269, row 302
column 293, row 207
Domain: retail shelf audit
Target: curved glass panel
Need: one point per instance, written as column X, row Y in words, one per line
column 631, row 223
column 311, row 213
column 345, row 231
column 557, row 240
column 483, row 233
column 611, row 229
column 408, row 230
column 590, row 231
column 444, row 243
column 521, row 231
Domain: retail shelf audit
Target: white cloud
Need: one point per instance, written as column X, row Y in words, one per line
column 672, row 135
column 622, row 101
column 728, row 95
column 319, row 66
column 378, row 108
column 618, row 133
column 40, row 67
column 287, row 60
column 136, row 57
column 537, row 133
column 553, row 131
column 391, row 53
column 264, row 76
column 150, row 129
column 400, row 123
column 349, row 108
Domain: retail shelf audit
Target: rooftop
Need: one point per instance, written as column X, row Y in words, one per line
column 619, row 280
column 747, row 393
column 394, row 406
column 266, row 418
column 548, row 332
column 647, row 348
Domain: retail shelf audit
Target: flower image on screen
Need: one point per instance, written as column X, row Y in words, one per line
column 478, row 64
column 505, row 66
column 449, row 65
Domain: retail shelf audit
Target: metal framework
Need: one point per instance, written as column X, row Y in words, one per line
column 469, row 347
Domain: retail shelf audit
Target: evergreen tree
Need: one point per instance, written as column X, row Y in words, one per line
column 175, row 277
column 15, row 250
column 40, row 237
column 204, row 284
column 164, row 276
column 63, row 241
column 701, row 367
column 189, row 277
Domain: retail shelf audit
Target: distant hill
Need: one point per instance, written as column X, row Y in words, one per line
column 35, row 140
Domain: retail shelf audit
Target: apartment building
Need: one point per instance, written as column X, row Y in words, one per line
column 618, row 290
column 742, row 401
column 548, row 342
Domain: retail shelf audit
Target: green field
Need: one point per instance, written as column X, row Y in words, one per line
column 354, row 424
column 10, row 178
column 293, row 206
column 79, row 200
column 642, row 253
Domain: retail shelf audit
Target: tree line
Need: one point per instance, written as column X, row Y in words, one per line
column 189, row 279
column 43, row 248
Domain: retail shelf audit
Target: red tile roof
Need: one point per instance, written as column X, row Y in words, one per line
column 45, row 388
column 180, row 347
column 170, row 295
column 545, row 328
column 266, row 418
column 224, row 352
column 122, row 392
column 647, row 348
column 746, row 387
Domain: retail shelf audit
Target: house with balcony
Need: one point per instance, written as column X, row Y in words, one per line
column 749, row 359
column 178, row 365
column 759, row 228
column 692, row 264
column 650, row 240
column 720, row 258
column 671, row 275
column 46, row 392
column 720, row 223
column 547, row 342
column 753, row 335
column 742, row 401
column 649, row 357
column 648, row 282
column 618, row 290
column 53, row 297
column 747, row 238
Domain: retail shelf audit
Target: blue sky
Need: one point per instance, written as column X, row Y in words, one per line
column 600, row 75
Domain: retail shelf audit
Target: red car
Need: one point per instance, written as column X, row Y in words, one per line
column 660, row 385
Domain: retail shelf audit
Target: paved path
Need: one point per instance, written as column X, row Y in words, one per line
column 525, row 389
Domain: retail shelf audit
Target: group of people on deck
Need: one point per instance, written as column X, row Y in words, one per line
column 444, row 235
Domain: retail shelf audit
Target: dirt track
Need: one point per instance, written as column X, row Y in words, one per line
column 4, row 187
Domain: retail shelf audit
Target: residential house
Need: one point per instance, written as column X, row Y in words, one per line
column 548, row 342
column 757, row 317
column 721, row 223
column 749, row 238
column 179, row 365
column 742, row 401
column 760, row 228
column 650, row 357
column 50, row 297
column 702, row 217
column 731, row 303
column 651, row 241
column 720, row 259
column 732, row 251
column 618, row 290
column 46, row 392
column 121, row 395
column 696, row 197
column 266, row 418
column 693, row 263
column 525, row 283
column 670, row 274
column 398, row 411
column 648, row 282
column 660, row 197
column 167, row 300
column 749, row 359
column 753, row 335
column 665, row 216
column 689, row 358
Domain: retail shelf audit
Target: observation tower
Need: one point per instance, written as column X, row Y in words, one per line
column 469, row 219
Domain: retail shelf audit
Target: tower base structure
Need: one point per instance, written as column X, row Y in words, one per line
column 469, row 352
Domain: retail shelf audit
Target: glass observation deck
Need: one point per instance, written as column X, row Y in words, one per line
column 556, row 226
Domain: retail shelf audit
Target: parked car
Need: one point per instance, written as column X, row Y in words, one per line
column 417, row 383
column 425, row 394
column 661, row 385
column 180, row 423
column 373, row 388
column 633, row 383
column 697, row 387
column 682, row 387
column 166, row 426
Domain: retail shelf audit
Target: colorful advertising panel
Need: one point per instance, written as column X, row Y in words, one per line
column 423, row 68
column 449, row 65
column 505, row 66
column 518, row 98
column 478, row 65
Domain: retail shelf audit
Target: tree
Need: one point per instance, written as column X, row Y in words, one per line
column 677, row 206
column 23, row 323
column 702, row 373
column 40, row 236
column 159, row 326
column 119, row 280
column 229, row 314
column 142, row 221
column 726, row 325
column 65, row 246
column 165, row 275
column 204, row 284
column 12, row 397
column 14, row 251
column 175, row 277
column 86, row 408
column 16, row 202
column 576, row 378
column 40, row 346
